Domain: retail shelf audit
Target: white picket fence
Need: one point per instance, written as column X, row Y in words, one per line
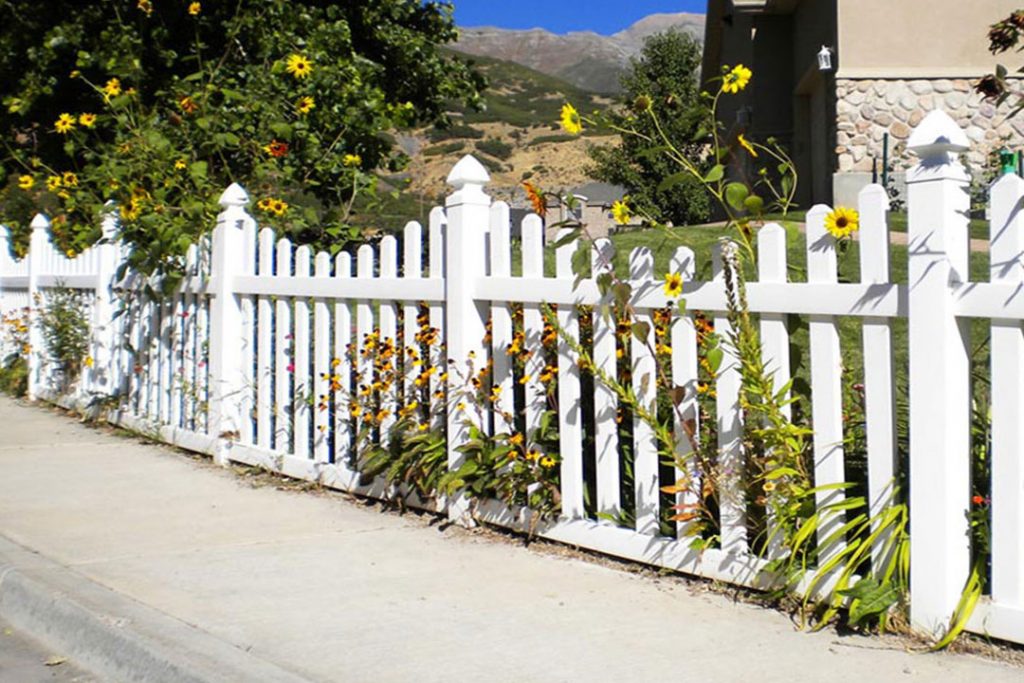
column 236, row 363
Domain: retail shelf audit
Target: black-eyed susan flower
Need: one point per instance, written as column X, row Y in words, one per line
column 53, row 183
column 621, row 212
column 180, row 165
column 276, row 149
column 112, row 88
column 188, row 104
column 737, row 79
column 305, row 104
column 195, row 8
column 547, row 462
column 842, row 222
column 26, row 182
column 69, row 179
column 673, row 285
column 299, row 66
column 87, row 120
column 64, row 124
column 571, row 121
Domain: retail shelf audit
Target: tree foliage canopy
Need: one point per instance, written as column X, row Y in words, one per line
column 663, row 79
column 159, row 104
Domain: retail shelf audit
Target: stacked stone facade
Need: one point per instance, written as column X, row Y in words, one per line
column 866, row 109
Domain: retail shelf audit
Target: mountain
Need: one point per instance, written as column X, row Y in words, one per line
column 585, row 59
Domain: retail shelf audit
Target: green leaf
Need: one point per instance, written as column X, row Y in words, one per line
column 566, row 238
column 198, row 171
column 641, row 331
column 282, row 130
column 715, row 358
column 735, row 194
column 870, row 599
column 716, row 173
column 652, row 152
column 671, row 181
column 754, row 204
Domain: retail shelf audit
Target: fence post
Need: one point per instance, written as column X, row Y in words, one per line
column 939, row 350
column 38, row 242
column 102, row 377
column 226, row 371
column 468, row 209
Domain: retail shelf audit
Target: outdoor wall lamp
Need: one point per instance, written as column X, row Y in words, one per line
column 825, row 59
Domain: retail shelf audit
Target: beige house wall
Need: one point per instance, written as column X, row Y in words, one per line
column 918, row 38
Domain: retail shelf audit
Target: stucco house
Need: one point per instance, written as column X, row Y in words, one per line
column 892, row 61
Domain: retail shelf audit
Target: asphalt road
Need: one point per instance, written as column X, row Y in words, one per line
column 23, row 660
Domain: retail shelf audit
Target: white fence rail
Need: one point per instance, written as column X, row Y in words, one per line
column 250, row 361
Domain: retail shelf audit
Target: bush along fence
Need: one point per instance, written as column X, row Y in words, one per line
column 445, row 369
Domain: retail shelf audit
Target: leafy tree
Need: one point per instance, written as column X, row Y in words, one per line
column 663, row 80
column 158, row 105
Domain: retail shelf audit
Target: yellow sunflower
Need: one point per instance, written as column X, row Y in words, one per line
column 53, row 183
column 87, row 120
column 571, row 120
column 299, row 66
column 64, row 124
column 737, row 79
column 305, row 104
column 69, row 179
column 621, row 212
column 195, row 8
column 673, row 285
column 352, row 160
column 26, row 182
column 842, row 222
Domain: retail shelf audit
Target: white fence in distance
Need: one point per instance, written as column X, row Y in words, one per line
column 238, row 362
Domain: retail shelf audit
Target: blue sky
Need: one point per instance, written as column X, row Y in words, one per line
column 600, row 16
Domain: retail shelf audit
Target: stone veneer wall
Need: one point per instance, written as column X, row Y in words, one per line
column 865, row 109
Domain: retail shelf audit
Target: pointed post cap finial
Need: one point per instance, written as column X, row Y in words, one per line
column 938, row 137
column 468, row 171
column 234, row 195
column 39, row 222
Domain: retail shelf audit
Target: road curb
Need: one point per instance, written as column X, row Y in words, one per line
column 112, row 635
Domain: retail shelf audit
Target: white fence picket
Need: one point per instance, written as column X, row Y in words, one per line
column 264, row 344
column 606, row 404
column 879, row 380
column 302, row 394
column 570, row 419
column 344, row 366
column 1007, row 252
column 412, row 269
column 437, row 227
column 321, row 380
column 686, row 418
column 282, row 353
column 501, row 321
column 533, row 326
column 388, row 333
column 645, row 382
column 826, row 387
column 731, row 481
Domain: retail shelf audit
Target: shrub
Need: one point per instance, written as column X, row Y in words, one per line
column 496, row 148
column 64, row 322
column 443, row 150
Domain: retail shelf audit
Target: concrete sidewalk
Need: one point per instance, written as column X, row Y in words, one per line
column 322, row 588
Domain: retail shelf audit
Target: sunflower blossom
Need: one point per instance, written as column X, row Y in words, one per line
column 299, row 66
column 737, row 79
column 536, row 198
column 305, row 104
column 352, row 160
column 673, row 285
column 571, row 120
column 621, row 212
column 195, row 8
column 53, row 183
column 842, row 222
column 26, row 182
column 87, row 120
